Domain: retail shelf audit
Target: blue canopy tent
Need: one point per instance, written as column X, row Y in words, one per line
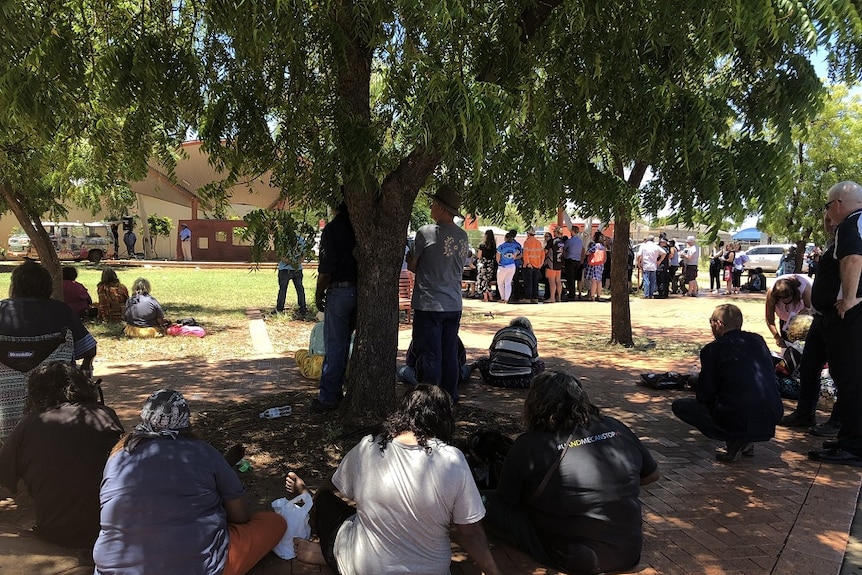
column 747, row 235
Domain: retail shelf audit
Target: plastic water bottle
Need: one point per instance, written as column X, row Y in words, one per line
column 243, row 466
column 274, row 412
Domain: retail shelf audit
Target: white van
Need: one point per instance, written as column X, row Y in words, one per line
column 73, row 241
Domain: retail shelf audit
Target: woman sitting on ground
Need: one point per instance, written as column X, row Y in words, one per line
column 144, row 316
column 514, row 356
column 409, row 486
column 171, row 503
column 59, row 451
column 76, row 295
column 568, row 491
column 112, row 296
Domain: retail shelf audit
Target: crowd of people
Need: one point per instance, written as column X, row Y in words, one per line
column 160, row 499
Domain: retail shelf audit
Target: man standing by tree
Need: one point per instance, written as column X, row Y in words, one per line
column 336, row 296
column 437, row 259
column 843, row 325
column 690, row 255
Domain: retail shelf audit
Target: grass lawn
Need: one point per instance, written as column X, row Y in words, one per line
column 217, row 299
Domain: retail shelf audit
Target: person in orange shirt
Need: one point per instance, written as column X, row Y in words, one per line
column 534, row 255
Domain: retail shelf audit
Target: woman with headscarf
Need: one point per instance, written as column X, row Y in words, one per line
column 171, row 503
column 568, row 491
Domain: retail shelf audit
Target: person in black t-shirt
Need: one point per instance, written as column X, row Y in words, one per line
column 568, row 491
column 59, row 450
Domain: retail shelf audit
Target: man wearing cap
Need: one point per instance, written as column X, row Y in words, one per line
column 336, row 296
column 649, row 256
column 690, row 254
column 186, row 242
column 437, row 259
column 534, row 255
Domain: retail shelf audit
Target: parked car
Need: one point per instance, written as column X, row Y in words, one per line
column 768, row 257
column 72, row 240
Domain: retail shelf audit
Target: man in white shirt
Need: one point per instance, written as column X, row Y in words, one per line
column 690, row 255
column 649, row 256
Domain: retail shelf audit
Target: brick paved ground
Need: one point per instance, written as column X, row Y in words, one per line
column 774, row 513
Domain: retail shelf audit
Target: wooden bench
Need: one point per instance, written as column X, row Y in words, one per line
column 405, row 293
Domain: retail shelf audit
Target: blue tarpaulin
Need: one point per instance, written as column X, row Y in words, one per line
column 747, row 235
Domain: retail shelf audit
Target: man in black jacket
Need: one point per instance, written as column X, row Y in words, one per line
column 737, row 394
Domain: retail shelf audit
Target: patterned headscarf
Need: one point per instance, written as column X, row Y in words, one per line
column 164, row 414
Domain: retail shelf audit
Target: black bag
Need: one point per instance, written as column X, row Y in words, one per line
column 187, row 321
column 667, row 380
column 485, row 452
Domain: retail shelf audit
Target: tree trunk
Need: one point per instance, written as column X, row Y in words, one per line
column 39, row 238
column 380, row 223
column 621, row 317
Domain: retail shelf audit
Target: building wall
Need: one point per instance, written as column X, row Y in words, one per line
column 164, row 247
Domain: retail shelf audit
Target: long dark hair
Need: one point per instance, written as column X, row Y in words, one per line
column 58, row 382
column 557, row 402
column 786, row 288
column 490, row 241
column 425, row 410
column 109, row 277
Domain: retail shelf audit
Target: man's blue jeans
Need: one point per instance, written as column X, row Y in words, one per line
column 284, row 278
column 339, row 322
column 649, row 283
column 435, row 342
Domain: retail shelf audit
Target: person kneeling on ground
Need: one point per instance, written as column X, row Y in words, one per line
column 144, row 315
column 514, row 356
column 756, row 281
column 409, row 485
column 172, row 504
column 407, row 373
column 737, row 394
column 59, row 451
column 568, row 491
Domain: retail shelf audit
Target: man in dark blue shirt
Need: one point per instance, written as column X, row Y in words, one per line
column 336, row 297
column 737, row 394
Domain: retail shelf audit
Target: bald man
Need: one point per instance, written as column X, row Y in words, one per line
column 843, row 325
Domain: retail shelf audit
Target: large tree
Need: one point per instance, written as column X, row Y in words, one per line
column 828, row 150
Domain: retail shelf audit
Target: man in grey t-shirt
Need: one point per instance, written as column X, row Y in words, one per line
column 438, row 261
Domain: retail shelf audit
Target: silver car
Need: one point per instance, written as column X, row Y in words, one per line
column 766, row 256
